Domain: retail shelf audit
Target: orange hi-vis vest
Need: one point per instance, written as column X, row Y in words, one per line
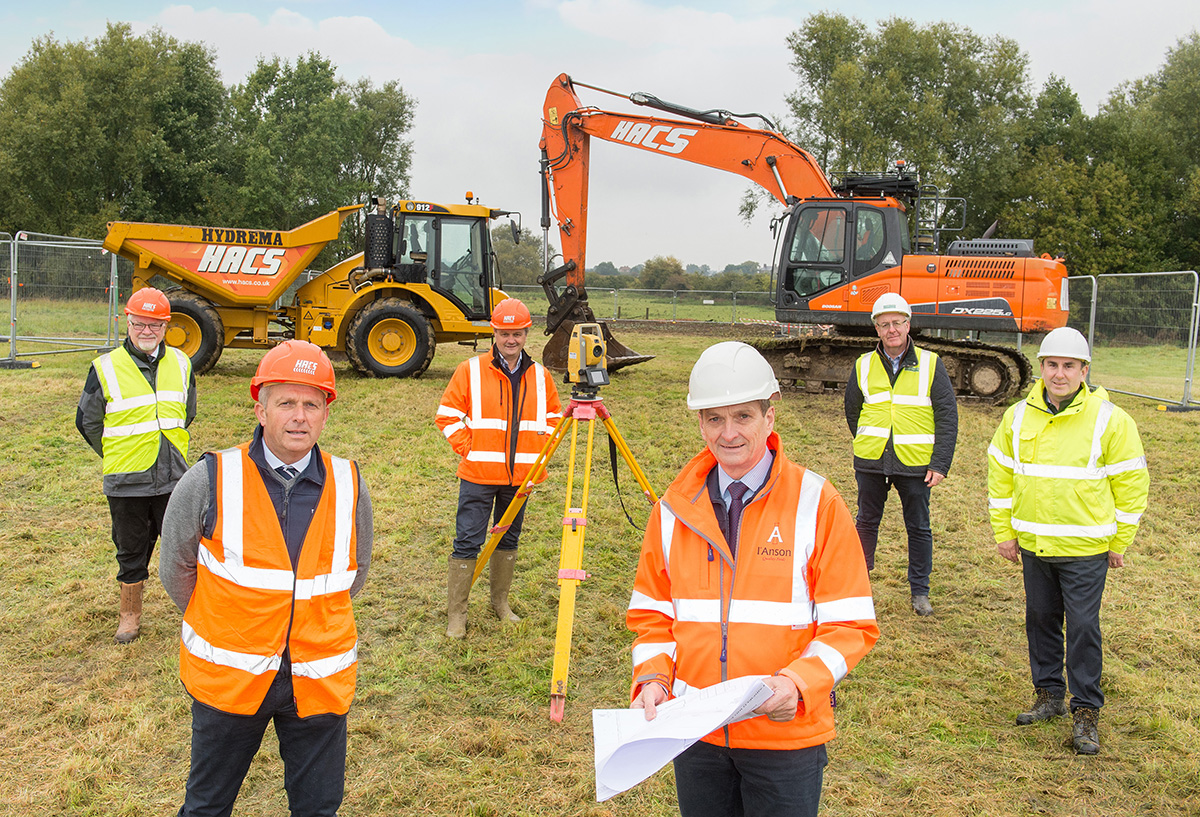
column 249, row 604
column 795, row 602
column 475, row 415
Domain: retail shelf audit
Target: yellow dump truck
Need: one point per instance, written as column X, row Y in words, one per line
column 427, row 276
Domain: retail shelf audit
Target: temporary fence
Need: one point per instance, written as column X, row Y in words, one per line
column 1142, row 328
column 712, row 306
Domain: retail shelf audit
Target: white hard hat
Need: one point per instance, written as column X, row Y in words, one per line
column 890, row 302
column 729, row 373
column 1065, row 342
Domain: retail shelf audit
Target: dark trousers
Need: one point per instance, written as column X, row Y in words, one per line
column 1070, row 592
column 313, row 751
column 713, row 781
column 136, row 524
column 476, row 504
column 914, row 502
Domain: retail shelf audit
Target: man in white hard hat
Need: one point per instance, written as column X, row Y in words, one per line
column 800, row 612
column 901, row 409
column 1067, row 486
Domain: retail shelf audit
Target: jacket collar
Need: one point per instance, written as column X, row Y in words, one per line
column 1037, row 399
column 522, row 365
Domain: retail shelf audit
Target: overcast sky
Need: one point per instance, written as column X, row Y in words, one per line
column 479, row 71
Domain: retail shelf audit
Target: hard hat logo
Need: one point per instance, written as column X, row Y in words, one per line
column 295, row 361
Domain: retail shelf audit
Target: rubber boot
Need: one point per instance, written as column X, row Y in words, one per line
column 458, row 588
column 131, row 612
column 501, row 567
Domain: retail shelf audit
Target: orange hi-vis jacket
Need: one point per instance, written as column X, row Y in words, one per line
column 497, row 433
column 248, row 604
column 796, row 601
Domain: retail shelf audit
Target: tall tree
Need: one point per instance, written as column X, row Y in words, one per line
column 121, row 127
column 948, row 101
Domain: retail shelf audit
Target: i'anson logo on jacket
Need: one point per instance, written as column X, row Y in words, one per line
column 774, row 553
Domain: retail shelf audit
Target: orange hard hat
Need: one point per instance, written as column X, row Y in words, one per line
column 148, row 302
column 295, row 361
column 511, row 314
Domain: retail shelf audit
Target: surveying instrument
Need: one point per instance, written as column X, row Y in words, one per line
column 587, row 371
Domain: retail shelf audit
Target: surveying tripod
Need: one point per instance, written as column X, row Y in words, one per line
column 585, row 406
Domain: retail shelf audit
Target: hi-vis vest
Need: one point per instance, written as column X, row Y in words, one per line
column 135, row 415
column 475, row 414
column 1073, row 483
column 796, row 600
column 903, row 411
column 249, row 605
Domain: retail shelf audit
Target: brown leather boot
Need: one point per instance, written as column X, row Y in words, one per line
column 458, row 587
column 131, row 612
column 501, row 567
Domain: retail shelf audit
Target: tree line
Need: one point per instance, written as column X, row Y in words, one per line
column 141, row 128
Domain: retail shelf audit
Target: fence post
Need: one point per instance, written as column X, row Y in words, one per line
column 616, row 309
column 113, row 301
column 675, row 305
column 733, row 318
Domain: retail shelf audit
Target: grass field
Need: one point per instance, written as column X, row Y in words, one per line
column 462, row 728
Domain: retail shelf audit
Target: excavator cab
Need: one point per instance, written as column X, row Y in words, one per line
column 829, row 244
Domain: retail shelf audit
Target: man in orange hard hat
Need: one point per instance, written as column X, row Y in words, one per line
column 264, row 545
column 136, row 406
column 495, row 412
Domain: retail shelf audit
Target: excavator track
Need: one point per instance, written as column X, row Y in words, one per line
column 822, row 362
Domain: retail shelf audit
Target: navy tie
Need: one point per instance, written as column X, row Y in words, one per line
column 736, row 491
column 287, row 472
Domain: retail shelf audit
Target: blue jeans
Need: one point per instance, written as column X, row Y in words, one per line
column 713, row 781
column 476, row 503
column 313, row 751
column 914, row 502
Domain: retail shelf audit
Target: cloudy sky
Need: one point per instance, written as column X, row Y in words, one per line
column 480, row 69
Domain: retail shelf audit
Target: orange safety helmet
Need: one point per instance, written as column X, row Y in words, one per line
column 511, row 314
column 295, row 361
column 148, row 302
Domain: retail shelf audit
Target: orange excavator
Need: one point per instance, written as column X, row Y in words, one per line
column 839, row 246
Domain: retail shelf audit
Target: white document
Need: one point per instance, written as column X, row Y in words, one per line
column 629, row 748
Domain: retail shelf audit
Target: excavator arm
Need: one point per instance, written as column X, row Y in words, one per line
column 713, row 138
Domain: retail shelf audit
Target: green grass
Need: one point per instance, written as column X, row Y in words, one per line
column 462, row 728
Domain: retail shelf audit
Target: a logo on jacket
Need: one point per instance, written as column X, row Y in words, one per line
column 773, row 554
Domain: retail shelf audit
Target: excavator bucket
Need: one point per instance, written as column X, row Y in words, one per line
column 618, row 355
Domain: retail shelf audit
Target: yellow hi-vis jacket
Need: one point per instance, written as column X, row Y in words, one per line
column 1068, row 484
column 249, row 605
column 903, row 411
column 135, row 414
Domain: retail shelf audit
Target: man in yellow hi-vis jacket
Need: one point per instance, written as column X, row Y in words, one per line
column 1067, row 486
column 136, row 406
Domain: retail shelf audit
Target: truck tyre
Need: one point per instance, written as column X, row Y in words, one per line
column 196, row 329
column 390, row 338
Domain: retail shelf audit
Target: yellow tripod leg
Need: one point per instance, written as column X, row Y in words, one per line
column 610, row 425
column 510, row 513
column 570, row 574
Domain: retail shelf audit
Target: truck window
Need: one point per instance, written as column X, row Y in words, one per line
column 869, row 243
column 460, row 263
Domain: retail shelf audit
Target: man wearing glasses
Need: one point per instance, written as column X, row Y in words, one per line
column 901, row 409
column 135, row 408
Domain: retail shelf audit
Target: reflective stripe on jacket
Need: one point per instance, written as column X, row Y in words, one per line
column 796, row 602
column 135, row 415
column 249, row 604
column 476, row 414
column 1073, row 483
column 903, row 409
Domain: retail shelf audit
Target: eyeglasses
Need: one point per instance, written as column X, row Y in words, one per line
column 896, row 324
column 138, row 326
